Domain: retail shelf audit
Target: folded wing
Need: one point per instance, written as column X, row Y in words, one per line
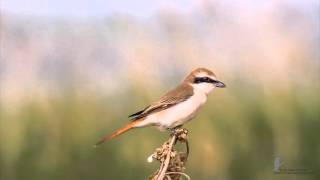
column 171, row 98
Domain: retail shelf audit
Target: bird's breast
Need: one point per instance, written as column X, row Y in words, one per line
column 178, row 114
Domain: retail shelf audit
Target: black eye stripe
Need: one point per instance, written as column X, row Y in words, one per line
column 203, row 79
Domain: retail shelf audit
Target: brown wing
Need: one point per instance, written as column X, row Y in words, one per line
column 171, row 98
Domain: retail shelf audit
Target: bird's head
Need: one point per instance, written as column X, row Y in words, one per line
column 204, row 80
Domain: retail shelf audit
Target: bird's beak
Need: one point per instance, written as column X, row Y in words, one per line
column 219, row 84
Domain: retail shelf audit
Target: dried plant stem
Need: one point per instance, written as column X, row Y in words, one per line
column 172, row 162
column 181, row 173
column 164, row 166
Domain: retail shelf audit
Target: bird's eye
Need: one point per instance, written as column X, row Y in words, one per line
column 198, row 80
column 206, row 79
column 202, row 80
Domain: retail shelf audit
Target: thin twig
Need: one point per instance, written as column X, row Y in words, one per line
column 187, row 146
column 165, row 166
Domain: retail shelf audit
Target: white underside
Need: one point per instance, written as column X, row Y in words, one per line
column 178, row 114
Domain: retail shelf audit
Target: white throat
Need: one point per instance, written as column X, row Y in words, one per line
column 205, row 88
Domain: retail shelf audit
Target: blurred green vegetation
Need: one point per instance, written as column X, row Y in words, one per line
column 65, row 82
column 236, row 136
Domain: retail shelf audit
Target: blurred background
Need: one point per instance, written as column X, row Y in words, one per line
column 71, row 71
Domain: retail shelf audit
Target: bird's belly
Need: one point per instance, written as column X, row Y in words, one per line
column 178, row 114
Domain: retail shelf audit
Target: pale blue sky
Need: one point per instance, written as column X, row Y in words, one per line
column 138, row 8
column 91, row 8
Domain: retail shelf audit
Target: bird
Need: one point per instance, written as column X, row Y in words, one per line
column 177, row 107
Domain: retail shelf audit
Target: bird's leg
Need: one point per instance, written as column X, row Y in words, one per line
column 172, row 131
column 181, row 133
column 176, row 130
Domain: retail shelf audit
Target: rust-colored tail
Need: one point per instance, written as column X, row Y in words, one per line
column 118, row 132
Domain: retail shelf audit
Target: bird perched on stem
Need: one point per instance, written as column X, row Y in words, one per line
column 177, row 106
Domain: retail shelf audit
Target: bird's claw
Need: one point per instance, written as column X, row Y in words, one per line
column 180, row 133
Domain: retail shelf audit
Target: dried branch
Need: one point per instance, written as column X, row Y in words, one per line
column 172, row 162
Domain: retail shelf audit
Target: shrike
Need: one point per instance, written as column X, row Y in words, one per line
column 177, row 106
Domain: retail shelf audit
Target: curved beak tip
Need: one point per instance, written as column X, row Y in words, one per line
column 220, row 84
